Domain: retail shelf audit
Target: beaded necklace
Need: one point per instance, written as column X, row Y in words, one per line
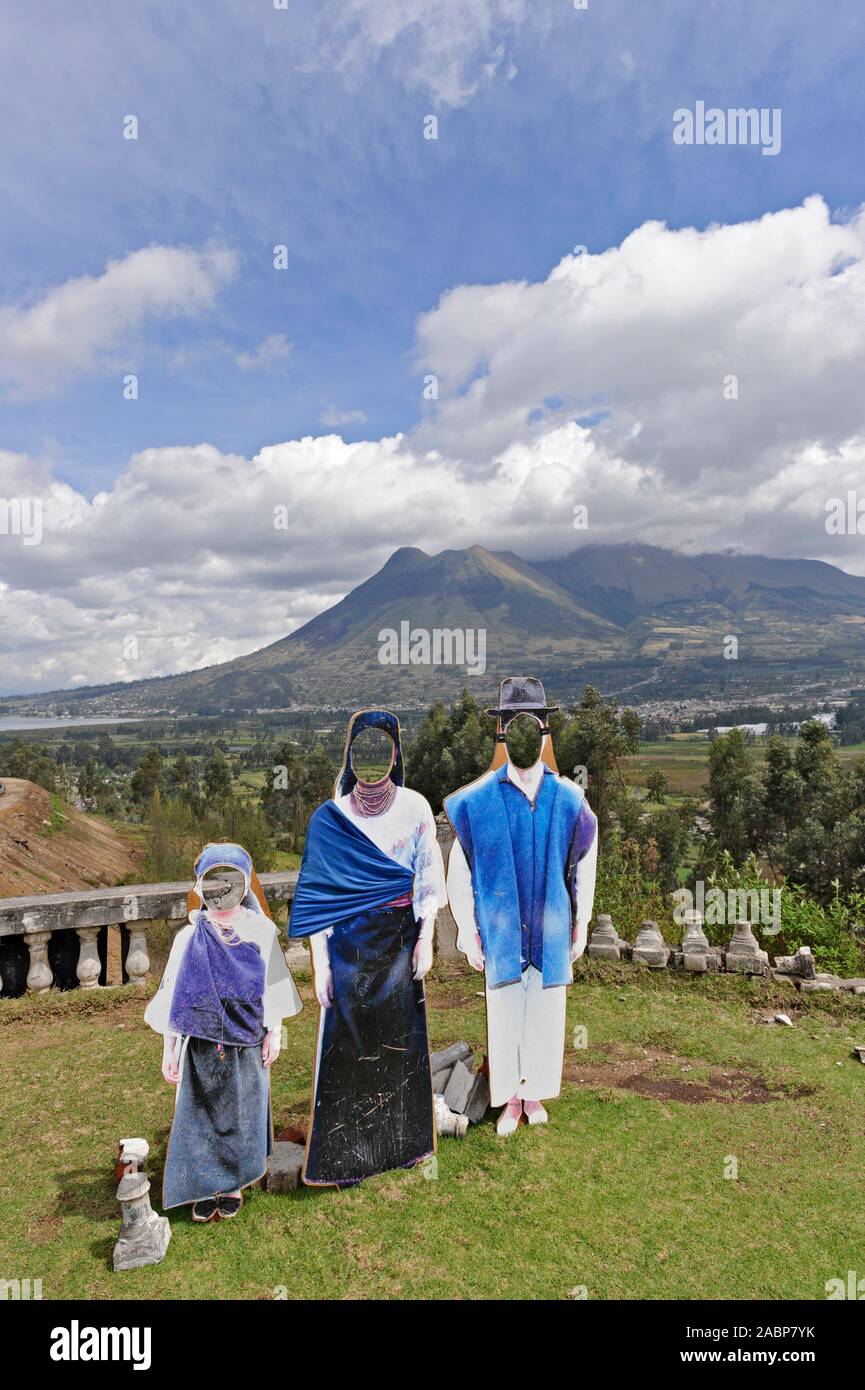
column 373, row 798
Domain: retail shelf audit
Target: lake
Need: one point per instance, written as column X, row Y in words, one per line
column 22, row 722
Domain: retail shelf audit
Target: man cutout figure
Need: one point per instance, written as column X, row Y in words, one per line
column 521, row 885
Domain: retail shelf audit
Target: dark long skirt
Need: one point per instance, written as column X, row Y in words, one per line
column 221, row 1134
column 373, row 1104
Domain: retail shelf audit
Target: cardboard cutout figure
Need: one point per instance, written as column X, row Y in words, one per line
column 521, row 885
column 371, row 882
column 220, row 1006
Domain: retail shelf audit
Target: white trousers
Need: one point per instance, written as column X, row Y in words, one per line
column 526, row 1038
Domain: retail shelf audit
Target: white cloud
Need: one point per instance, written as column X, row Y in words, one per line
column 447, row 47
column 648, row 331
column 270, row 353
column 74, row 326
column 183, row 553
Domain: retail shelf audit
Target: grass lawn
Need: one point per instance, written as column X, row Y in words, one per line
column 624, row 1192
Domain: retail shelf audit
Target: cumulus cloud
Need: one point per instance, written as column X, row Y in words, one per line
column 75, row 326
column 270, row 353
column 644, row 338
column 201, row 555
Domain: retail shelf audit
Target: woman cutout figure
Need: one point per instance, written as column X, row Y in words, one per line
column 371, row 882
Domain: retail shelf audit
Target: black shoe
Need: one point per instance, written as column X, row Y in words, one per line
column 228, row 1206
column 204, row 1210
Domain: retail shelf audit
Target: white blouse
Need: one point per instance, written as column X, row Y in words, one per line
column 406, row 832
column 281, row 999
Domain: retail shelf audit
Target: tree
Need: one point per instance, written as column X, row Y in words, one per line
column 656, row 786
column 814, row 834
column 171, row 840
column 803, row 811
column 217, row 777
column 176, row 833
column 780, row 802
column 850, row 722
column 671, row 831
column 180, row 775
column 148, row 778
column 598, row 736
column 89, row 784
column 32, row 761
column 282, row 796
column 293, row 788
column 319, row 777
column 732, row 796
column 449, row 750
column 18, row 759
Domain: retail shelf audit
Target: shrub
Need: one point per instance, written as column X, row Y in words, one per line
column 832, row 930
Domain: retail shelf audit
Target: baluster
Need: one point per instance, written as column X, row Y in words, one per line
column 39, row 976
column 138, row 961
column 89, row 966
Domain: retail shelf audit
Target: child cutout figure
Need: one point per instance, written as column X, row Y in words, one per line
column 220, row 1006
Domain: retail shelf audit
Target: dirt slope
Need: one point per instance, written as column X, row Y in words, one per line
column 48, row 847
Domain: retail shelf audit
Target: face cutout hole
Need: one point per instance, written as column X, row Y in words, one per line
column 372, row 754
column 222, row 888
column 523, row 740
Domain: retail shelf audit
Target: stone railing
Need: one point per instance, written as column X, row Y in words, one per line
column 86, row 913
column 34, row 921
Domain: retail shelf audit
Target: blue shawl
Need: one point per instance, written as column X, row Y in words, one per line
column 342, row 874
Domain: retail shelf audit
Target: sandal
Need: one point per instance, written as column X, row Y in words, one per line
column 229, row 1206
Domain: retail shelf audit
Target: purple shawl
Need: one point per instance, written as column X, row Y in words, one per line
column 219, row 991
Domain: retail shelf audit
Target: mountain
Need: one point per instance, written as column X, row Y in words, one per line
column 628, row 618
column 624, row 581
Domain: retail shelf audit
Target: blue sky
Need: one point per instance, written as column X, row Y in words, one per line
column 304, row 126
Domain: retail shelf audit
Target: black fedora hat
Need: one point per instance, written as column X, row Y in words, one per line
column 522, row 695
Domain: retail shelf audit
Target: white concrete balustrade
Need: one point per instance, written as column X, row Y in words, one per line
column 37, row 919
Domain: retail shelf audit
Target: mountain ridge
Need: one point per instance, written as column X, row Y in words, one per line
column 620, row 615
